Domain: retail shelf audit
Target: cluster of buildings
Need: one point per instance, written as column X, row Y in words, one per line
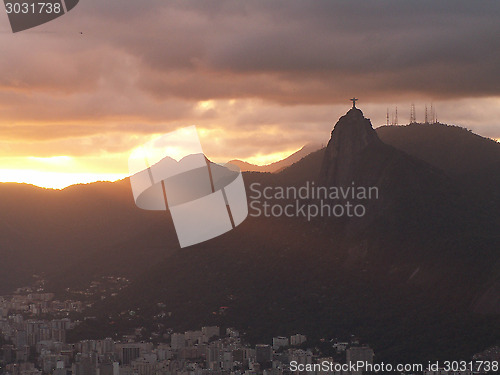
column 34, row 301
column 39, row 347
column 37, row 304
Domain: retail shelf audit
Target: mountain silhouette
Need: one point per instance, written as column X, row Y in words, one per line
column 351, row 136
column 279, row 165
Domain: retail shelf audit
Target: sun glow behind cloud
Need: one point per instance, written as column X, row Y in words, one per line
column 270, row 158
column 52, row 160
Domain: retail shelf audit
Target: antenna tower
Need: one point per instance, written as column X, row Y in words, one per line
column 413, row 117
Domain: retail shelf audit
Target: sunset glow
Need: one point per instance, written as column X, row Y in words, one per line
column 270, row 158
column 54, row 180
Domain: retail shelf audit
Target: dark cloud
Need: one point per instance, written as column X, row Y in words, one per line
column 219, row 49
column 379, row 47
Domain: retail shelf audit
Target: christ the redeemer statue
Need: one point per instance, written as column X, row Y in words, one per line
column 354, row 102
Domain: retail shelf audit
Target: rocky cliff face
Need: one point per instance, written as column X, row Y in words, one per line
column 352, row 134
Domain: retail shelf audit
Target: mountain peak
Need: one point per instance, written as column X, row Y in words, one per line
column 354, row 111
column 350, row 136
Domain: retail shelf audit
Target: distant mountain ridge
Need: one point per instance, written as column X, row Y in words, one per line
column 279, row 165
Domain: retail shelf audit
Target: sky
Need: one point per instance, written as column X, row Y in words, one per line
column 259, row 78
